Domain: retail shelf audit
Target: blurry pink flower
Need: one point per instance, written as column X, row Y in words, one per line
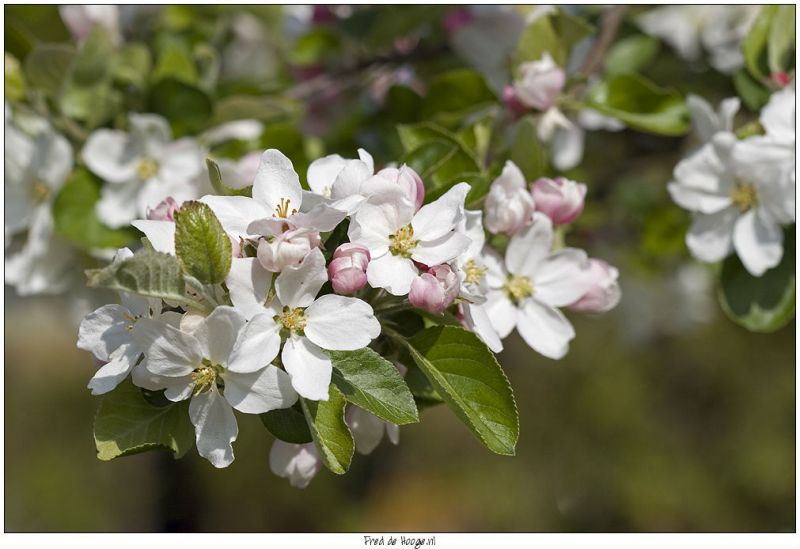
column 435, row 289
column 540, row 83
column 348, row 269
column 508, row 206
column 604, row 294
column 512, row 102
column 164, row 211
column 457, row 18
column 561, row 199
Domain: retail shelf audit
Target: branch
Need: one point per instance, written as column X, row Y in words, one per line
column 609, row 26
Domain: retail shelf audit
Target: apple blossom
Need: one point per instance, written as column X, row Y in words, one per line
column 539, row 83
column 348, row 269
column 297, row 462
column 534, row 283
column 397, row 237
column 407, row 179
column 508, row 206
column 368, row 430
column 434, row 290
column 164, row 211
column 338, row 181
column 560, row 199
column 287, row 249
column 604, row 293
column 222, row 364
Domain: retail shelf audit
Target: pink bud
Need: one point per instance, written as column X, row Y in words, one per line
column 435, row 289
column 508, row 206
column 348, row 270
column 287, row 249
column 164, row 211
column 540, row 83
column 457, row 18
column 512, row 102
column 781, row 79
column 236, row 246
column 604, row 293
column 409, row 180
column 560, row 199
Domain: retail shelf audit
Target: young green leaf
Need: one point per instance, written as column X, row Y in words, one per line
column 201, row 244
column 148, row 273
column 127, row 424
column 754, row 46
column 527, row 152
column 466, row 375
column 373, row 383
column 329, row 430
column 781, row 40
column 537, row 38
column 47, row 66
column 640, row 104
column 631, row 54
column 761, row 304
column 215, row 176
column 288, row 425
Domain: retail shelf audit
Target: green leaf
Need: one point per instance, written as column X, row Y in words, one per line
column 370, row 381
column 288, row 425
column 571, row 29
column 781, row 39
column 640, row 104
column 266, row 109
column 537, row 38
column 14, row 82
column 91, row 65
column 127, row 424
column 131, row 65
column 315, row 47
column 201, row 244
column 47, row 66
column 329, row 430
column 754, row 94
column 632, row 54
column 754, row 46
column 760, row 304
column 526, row 150
column 187, row 107
column 219, row 186
column 456, row 92
column 175, row 62
column 74, row 215
column 466, row 375
column 94, row 104
column 148, row 273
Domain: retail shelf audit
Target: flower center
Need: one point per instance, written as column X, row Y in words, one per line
column 131, row 320
column 744, row 196
column 473, row 273
column 205, row 377
column 147, row 169
column 403, row 242
column 518, row 288
column 283, row 208
column 39, row 190
column 292, row 319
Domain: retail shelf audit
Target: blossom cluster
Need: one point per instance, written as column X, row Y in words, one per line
column 326, row 267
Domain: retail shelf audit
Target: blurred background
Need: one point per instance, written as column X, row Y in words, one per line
column 665, row 416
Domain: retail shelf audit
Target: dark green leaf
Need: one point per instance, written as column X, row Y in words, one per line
column 186, row 107
column 456, row 91
column 201, row 244
column 127, row 424
column 754, row 94
column 74, row 215
column 329, row 430
column 760, row 304
column 640, row 104
column 373, row 383
column 288, row 425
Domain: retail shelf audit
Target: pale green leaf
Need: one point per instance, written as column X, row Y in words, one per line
column 329, row 430
column 201, row 244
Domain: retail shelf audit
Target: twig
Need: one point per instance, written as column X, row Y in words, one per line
column 610, row 23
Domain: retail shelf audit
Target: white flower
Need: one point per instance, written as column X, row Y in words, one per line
column 368, row 430
column 141, row 167
column 36, row 166
column 81, row 20
column 509, row 205
column 540, row 83
column 277, row 203
column 604, row 292
column 742, row 192
column 396, row 236
column 706, row 121
column 527, row 292
column 224, row 363
column 339, row 181
column 287, row 249
column 107, row 333
column 297, row 462
column 311, row 324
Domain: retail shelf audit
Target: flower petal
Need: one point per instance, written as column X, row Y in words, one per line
column 323, row 172
column 501, row 312
column 392, row 273
column 339, row 323
column 218, row 333
column 436, row 219
column 477, row 318
column 709, row 237
column 103, row 331
column 367, row 429
column 248, row 284
column 545, row 329
column 258, row 392
column 277, row 181
column 442, row 250
column 161, row 234
column 562, row 278
column 530, row 246
column 118, row 204
column 235, row 213
column 112, row 373
column 309, row 368
column 322, row 218
column 297, row 462
column 298, row 286
column 109, row 155
column 758, row 242
column 215, row 427
column 176, row 389
column 258, row 343
column 169, row 351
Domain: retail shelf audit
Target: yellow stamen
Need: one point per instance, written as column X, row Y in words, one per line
column 403, row 242
column 744, row 196
column 205, row 377
column 518, row 288
column 147, row 169
column 283, row 209
column 292, row 319
column 474, row 273
column 40, row 191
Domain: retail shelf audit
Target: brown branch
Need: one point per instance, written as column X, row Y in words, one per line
column 609, row 26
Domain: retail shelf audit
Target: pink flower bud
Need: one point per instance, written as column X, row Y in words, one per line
column 164, row 211
column 457, row 18
column 348, row 270
column 435, row 289
column 512, row 102
column 410, row 182
column 560, row 199
column 604, row 294
column 287, row 249
column 540, row 83
column 508, row 206
column 781, row 79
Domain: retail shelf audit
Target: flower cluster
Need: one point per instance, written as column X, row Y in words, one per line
column 317, row 272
